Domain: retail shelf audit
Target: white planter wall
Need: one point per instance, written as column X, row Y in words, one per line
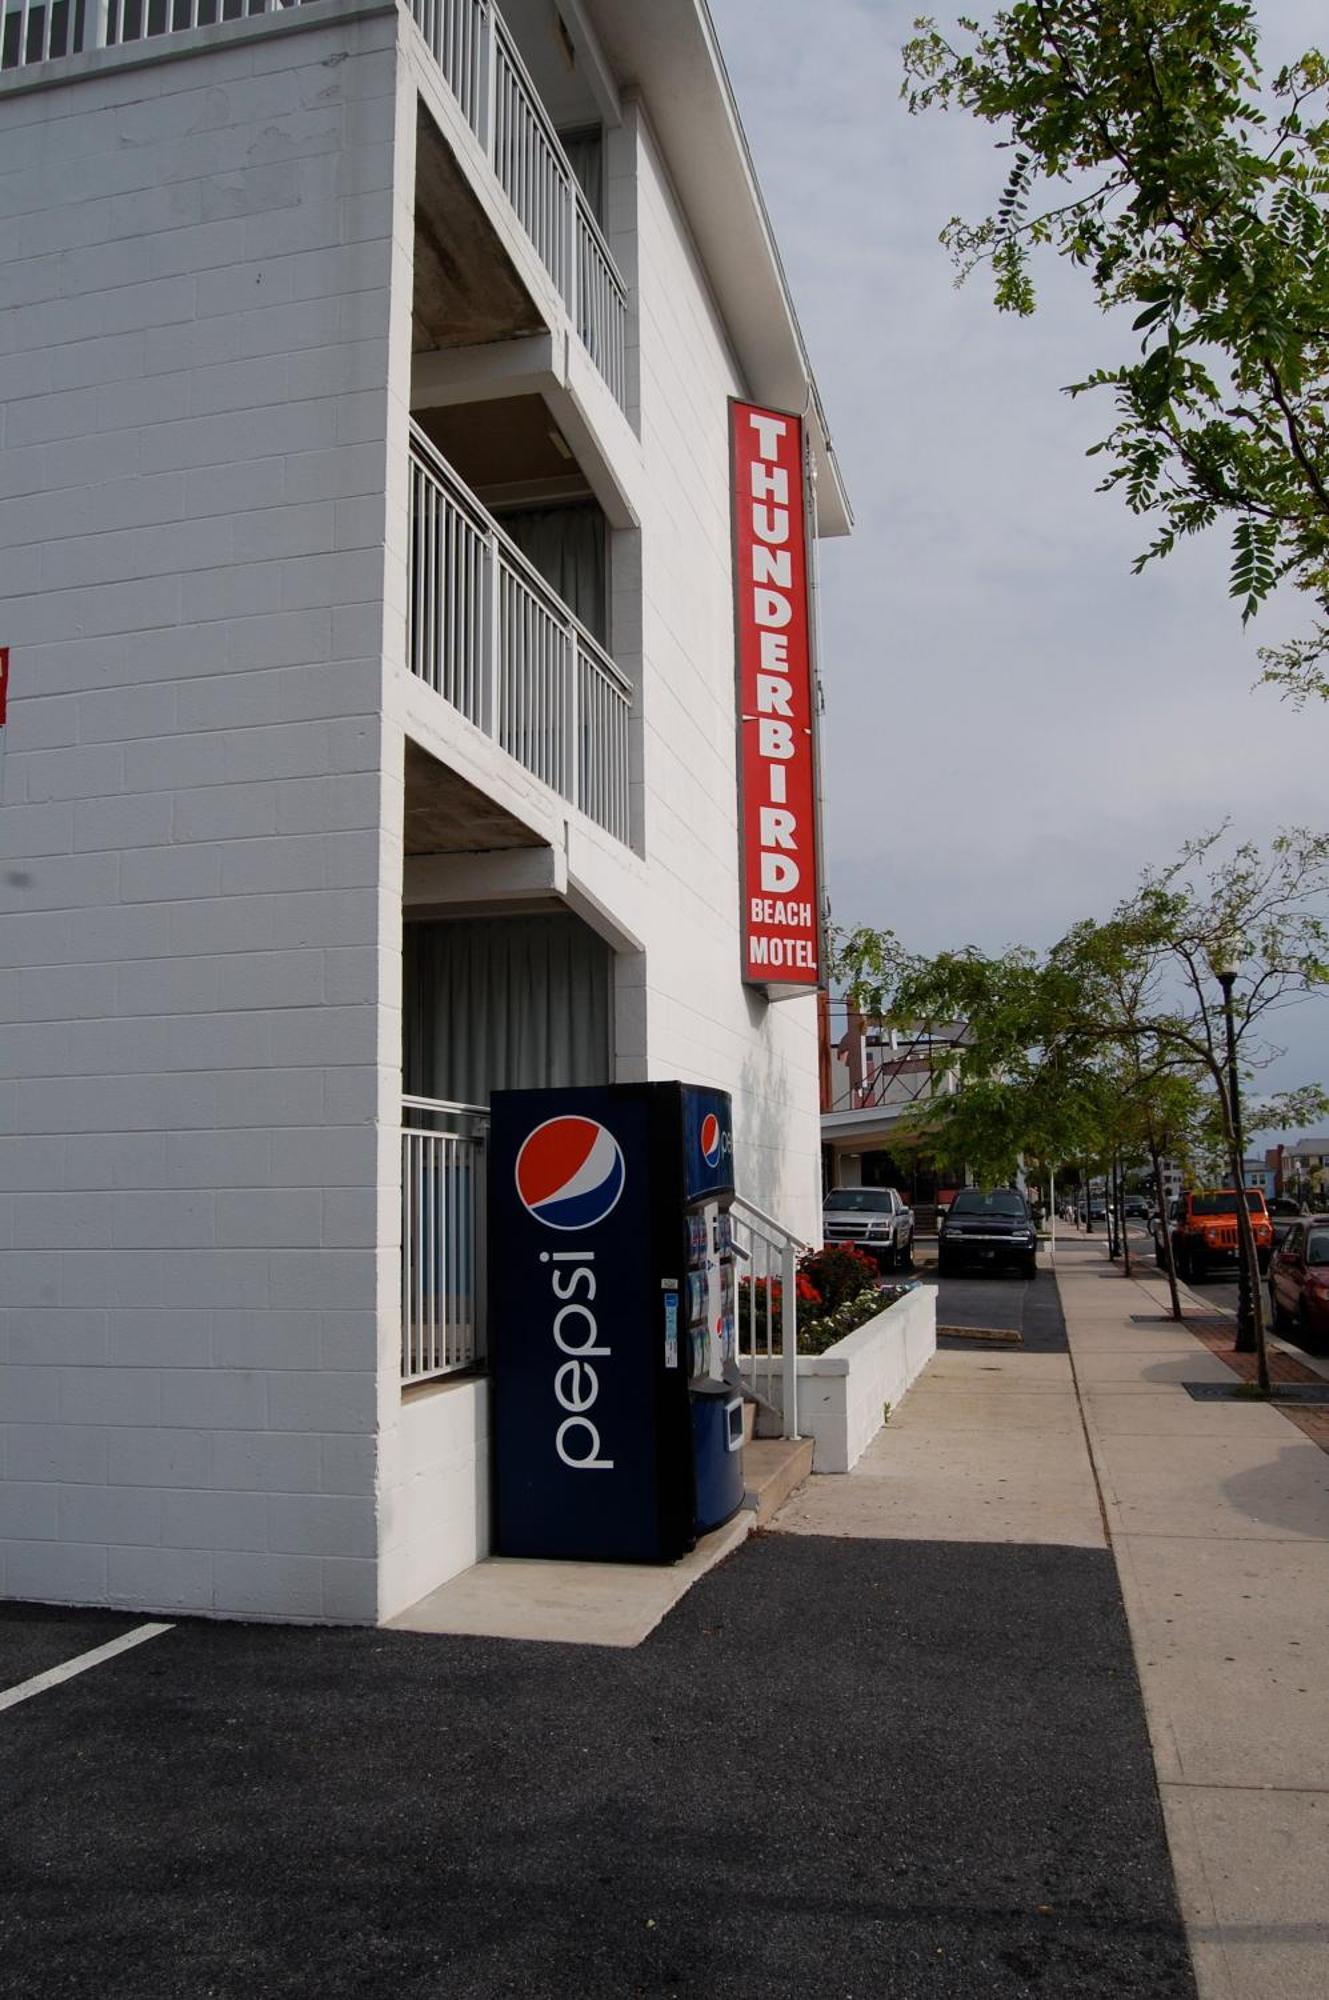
column 843, row 1394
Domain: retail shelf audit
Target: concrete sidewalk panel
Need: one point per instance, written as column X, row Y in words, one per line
column 1120, row 1409
column 1232, row 1654
column 952, row 1407
column 1239, row 1487
column 997, row 1368
column 1251, row 1873
column 929, row 1484
column 1128, row 1368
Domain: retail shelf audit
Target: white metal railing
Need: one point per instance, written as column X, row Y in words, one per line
column 36, row 31
column 600, row 304
column 531, row 165
column 486, row 632
column 483, row 68
column 767, row 1309
column 442, row 1237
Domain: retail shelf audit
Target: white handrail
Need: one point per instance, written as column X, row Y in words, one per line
column 489, row 635
column 771, row 1252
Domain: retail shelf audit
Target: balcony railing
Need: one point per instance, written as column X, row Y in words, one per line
column 37, row 31
column 442, row 1237
column 480, row 62
column 487, row 633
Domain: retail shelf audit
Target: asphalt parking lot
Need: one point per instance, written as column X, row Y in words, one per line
column 858, row 1768
column 843, row 1768
column 1027, row 1306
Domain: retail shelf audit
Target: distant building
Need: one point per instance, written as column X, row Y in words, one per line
column 1301, row 1171
column 876, row 1084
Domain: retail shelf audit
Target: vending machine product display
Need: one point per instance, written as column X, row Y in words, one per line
column 618, row 1423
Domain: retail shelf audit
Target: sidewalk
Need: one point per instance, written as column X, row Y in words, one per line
column 1218, row 1516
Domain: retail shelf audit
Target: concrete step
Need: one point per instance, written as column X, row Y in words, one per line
column 773, row 1468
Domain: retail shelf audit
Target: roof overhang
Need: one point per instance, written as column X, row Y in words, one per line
column 669, row 56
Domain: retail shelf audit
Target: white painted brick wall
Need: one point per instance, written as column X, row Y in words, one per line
column 703, row 1024
column 194, row 266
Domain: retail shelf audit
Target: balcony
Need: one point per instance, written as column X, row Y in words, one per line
column 487, row 633
column 478, row 59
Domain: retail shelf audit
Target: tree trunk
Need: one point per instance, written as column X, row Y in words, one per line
column 1169, row 1258
column 1121, row 1212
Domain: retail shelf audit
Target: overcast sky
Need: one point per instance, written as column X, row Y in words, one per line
column 1016, row 725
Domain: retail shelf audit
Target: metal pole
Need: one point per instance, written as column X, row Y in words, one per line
column 789, row 1338
column 1052, row 1217
column 1245, row 1343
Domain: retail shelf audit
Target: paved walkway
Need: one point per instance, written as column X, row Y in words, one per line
column 1217, row 1516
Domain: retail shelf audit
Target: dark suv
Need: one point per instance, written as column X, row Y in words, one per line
column 993, row 1229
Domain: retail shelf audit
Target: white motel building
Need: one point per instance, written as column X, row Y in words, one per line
column 370, row 375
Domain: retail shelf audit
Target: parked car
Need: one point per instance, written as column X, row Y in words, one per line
column 1299, row 1282
column 992, row 1228
column 1203, row 1226
column 1135, row 1206
column 1283, row 1212
column 878, row 1220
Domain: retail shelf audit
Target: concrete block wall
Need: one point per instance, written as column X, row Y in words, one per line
column 702, row 1023
column 195, row 263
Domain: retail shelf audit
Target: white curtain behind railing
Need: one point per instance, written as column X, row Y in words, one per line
column 505, row 1003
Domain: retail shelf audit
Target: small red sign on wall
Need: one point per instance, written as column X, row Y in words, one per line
column 4, row 682
column 777, row 752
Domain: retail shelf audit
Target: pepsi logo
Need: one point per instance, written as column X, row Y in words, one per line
column 710, row 1139
column 570, row 1173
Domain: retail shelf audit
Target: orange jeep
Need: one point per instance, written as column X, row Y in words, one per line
column 1203, row 1225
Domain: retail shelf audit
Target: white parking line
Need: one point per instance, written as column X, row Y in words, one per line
column 53, row 1676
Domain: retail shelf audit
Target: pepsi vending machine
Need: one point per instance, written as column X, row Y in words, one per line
column 618, row 1422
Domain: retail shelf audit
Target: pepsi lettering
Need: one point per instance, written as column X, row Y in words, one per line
column 596, row 1196
column 575, row 1381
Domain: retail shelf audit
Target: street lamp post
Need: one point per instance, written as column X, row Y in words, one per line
column 1225, row 961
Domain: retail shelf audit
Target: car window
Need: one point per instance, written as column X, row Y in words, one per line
column 1002, row 1201
column 1317, row 1247
column 855, row 1201
column 1226, row 1204
column 1295, row 1238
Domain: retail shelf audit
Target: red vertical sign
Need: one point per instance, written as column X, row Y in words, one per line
column 776, row 751
column 4, row 683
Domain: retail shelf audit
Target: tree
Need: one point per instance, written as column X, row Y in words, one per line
column 1147, row 152
column 1070, row 1051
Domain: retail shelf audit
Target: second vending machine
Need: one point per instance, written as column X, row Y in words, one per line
column 618, row 1422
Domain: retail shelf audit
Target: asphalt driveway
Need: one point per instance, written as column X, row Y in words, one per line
column 839, row 1768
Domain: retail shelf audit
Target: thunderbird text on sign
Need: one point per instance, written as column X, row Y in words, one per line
column 777, row 754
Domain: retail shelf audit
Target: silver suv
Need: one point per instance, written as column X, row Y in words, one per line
column 873, row 1219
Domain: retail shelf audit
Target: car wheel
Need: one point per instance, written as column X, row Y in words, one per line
column 907, row 1255
column 1029, row 1266
column 1196, row 1267
column 1278, row 1315
column 945, row 1265
column 1305, row 1333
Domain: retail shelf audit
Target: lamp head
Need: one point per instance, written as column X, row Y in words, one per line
column 1226, row 955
